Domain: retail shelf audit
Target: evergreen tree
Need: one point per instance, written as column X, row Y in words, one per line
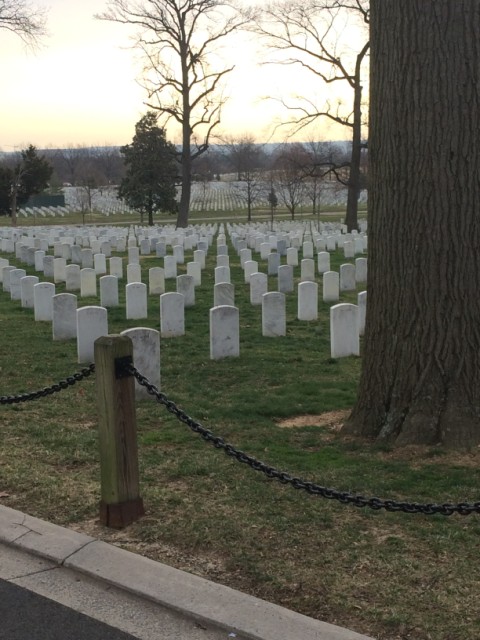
column 30, row 175
column 151, row 170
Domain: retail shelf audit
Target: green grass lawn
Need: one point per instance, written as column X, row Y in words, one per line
column 391, row 576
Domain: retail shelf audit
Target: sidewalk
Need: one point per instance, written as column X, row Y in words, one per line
column 130, row 593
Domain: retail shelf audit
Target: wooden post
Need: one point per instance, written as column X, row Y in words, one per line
column 121, row 503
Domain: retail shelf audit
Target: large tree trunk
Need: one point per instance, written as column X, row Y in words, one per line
column 420, row 379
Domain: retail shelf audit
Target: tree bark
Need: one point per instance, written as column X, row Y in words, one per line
column 14, row 206
column 351, row 217
column 186, row 155
column 420, row 380
column 184, row 205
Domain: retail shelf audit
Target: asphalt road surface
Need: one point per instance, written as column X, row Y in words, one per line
column 24, row 615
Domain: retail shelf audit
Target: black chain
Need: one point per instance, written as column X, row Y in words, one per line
column 42, row 393
column 446, row 509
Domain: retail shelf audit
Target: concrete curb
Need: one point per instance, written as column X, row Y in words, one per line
column 192, row 596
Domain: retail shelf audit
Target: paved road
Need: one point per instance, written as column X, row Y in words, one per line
column 24, row 615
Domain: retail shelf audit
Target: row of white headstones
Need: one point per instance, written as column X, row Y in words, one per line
column 87, row 323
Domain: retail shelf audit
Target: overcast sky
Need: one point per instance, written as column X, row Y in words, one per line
column 81, row 86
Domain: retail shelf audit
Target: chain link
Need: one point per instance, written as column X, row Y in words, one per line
column 55, row 388
column 344, row 497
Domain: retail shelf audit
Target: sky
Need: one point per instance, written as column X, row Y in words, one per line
column 80, row 87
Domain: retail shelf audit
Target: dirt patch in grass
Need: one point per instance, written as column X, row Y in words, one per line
column 333, row 420
column 415, row 455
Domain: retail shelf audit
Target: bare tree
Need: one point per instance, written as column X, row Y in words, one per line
column 310, row 34
column 246, row 157
column 291, row 167
column 72, row 158
column 323, row 159
column 24, row 20
column 183, row 72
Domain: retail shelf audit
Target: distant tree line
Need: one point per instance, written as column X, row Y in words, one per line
column 147, row 172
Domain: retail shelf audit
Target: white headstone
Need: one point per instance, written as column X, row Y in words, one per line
column 344, row 339
column 223, row 261
column 72, row 277
column 92, row 323
column 136, row 300
column 106, row 248
column 172, row 315
column 160, row 249
column 265, row 249
column 285, row 278
column 194, row 269
column 331, row 243
column 273, row 264
column 15, row 287
column 87, row 259
column 133, row 255
column 308, row 249
column 292, row 256
column 88, row 283
column 100, row 263
column 274, row 318
column 116, row 267
column 307, row 301
column 307, row 270
column 108, row 291
column 224, row 294
column 3, row 263
column 245, row 255
column 224, row 332
column 39, row 256
column 146, row 358
column 348, row 249
column 43, row 293
column 6, row 271
column 222, row 274
column 186, row 286
column 170, row 267
column 331, row 286
column 59, row 265
column 199, row 256
column 358, row 245
column 156, row 281
column 64, row 318
column 347, row 277
column 250, row 266
column 258, row 286
column 323, row 261
column 179, row 254
column 26, row 291
column 134, row 273
column 361, row 270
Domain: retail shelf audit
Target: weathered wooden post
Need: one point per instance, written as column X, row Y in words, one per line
column 121, row 503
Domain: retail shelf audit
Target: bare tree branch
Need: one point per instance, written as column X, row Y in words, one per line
column 25, row 20
column 314, row 36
